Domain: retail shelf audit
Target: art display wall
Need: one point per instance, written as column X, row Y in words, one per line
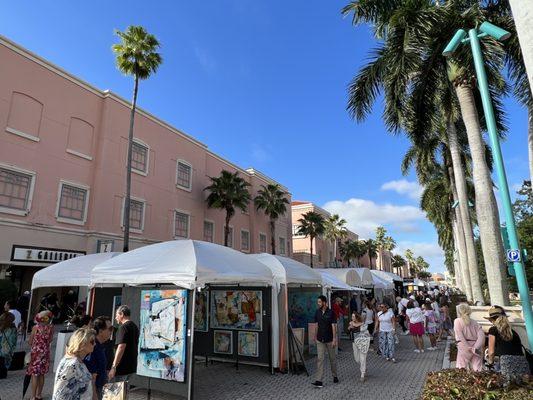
column 163, row 334
column 302, row 307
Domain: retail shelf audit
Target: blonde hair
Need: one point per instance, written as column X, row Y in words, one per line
column 464, row 311
column 504, row 329
column 78, row 340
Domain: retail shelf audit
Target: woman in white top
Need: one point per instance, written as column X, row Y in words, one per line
column 361, row 342
column 416, row 319
column 369, row 317
column 386, row 326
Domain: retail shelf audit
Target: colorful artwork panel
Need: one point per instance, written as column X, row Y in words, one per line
column 237, row 309
column 163, row 334
column 201, row 308
column 248, row 344
column 223, row 342
column 302, row 308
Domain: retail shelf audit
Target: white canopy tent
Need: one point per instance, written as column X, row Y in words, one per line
column 346, row 275
column 387, row 276
column 73, row 272
column 380, row 281
column 415, row 282
column 365, row 276
column 330, row 281
column 184, row 263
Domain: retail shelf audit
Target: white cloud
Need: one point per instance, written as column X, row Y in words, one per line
column 431, row 252
column 364, row 216
column 404, row 187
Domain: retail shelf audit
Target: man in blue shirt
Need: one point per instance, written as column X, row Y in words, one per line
column 96, row 362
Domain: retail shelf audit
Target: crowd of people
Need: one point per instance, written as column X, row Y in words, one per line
column 419, row 314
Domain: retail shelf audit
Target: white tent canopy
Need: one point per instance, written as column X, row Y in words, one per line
column 73, row 272
column 381, row 280
column 184, row 263
column 346, row 275
column 289, row 271
column 416, row 282
column 388, row 276
column 365, row 276
column 332, row 282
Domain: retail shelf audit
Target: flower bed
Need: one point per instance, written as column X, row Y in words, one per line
column 460, row 384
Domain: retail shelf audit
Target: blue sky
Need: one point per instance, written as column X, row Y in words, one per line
column 269, row 75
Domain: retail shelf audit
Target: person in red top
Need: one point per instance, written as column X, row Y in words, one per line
column 339, row 312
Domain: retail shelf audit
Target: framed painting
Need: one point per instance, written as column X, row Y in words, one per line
column 248, row 344
column 163, row 334
column 201, row 311
column 237, row 309
column 223, row 342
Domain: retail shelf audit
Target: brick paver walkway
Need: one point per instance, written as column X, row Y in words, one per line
column 385, row 380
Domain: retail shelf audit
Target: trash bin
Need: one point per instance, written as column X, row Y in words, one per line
column 62, row 339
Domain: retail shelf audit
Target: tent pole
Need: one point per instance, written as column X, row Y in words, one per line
column 190, row 391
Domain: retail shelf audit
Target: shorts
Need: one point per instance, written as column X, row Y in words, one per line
column 416, row 329
column 431, row 330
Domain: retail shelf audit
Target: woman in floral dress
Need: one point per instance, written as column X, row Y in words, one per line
column 40, row 341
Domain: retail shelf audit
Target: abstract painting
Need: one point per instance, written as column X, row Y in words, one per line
column 201, row 312
column 248, row 344
column 236, row 309
column 162, row 341
column 223, row 342
column 302, row 308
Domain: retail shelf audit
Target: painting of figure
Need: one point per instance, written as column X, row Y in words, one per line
column 223, row 342
column 236, row 309
column 248, row 344
column 200, row 312
column 162, row 341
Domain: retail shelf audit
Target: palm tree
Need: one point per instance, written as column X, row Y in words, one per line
column 335, row 230
column 410, row 258
column 352, row 249
column 389, row 244
column 312, row 226
column 397, row 263
column 371, row 249
column 228, row 192
column 380, row 241
column 273, row 200
column 137, row 56
column 410, row 70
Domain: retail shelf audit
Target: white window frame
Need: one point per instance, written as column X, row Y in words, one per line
column 214, row 230
column 188, row 189
column 14, row 211
column 85, row 206
column 249, row 241
column 266, row 242
column 137, row 171
column 280, row 238
column 134, row 230
column 188, row 214
column 232, row 235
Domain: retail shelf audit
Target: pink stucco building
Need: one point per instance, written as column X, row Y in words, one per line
column 63, row 150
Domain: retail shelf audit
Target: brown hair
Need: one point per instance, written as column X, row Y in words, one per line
column 6, row 321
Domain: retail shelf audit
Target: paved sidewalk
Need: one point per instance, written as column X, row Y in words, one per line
column 385, row 380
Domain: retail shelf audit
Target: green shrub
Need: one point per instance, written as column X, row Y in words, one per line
column 8, row 291
column 460, row 384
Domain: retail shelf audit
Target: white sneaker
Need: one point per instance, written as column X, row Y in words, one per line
column 422, row 350
column 405, row 333
column 417, row 351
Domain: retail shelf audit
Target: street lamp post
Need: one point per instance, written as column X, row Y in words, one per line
column 514, row 254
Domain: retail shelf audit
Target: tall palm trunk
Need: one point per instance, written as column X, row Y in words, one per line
column 226, row 228
column 523, row 17
column 457, row 259
column 312, row 251
column 463, row 215
column 370, row 258
column 128, row 168
column 486, row 208
column 462, row 249
column 273, row 236
column 530, row 140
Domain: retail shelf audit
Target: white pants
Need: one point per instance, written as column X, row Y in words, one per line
column 360, row 351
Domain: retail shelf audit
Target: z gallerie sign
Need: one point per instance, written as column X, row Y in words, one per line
column 42, row 254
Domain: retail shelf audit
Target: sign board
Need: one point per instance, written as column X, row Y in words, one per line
column 513, row 255
column 105, row 246
column 34, row 254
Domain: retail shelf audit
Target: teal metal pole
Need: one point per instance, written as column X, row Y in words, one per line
column 502, row 182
